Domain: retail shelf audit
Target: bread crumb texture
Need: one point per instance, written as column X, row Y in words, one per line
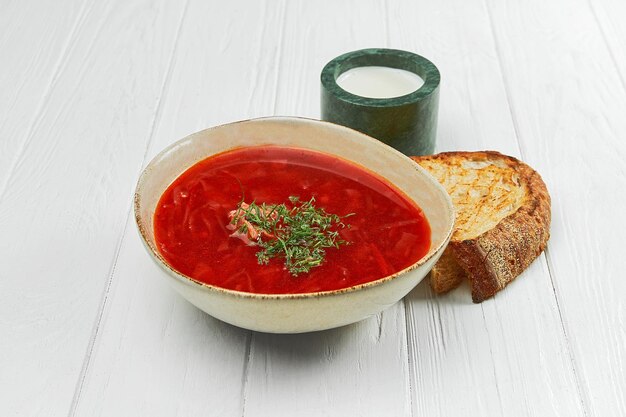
column 503, row 218
column 483, row 192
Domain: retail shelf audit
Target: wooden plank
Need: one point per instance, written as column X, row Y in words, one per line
column 155, row 354
column 359, row 369
column 505, row 356
column 67, row 201
column 34, row 40
column 355, row 370
column 568, row 102
column 609, row 15
column 82, row 128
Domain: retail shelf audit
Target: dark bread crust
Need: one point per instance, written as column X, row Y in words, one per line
column 493, row 259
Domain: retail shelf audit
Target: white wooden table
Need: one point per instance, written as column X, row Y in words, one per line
column 91, row 90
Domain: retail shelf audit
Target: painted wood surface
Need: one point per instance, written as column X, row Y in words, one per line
column 33, row 47
column 90, row 92
column 504, row 357
column 67, row 197
column 569, row 119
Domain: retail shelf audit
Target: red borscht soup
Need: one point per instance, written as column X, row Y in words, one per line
column 250, row 218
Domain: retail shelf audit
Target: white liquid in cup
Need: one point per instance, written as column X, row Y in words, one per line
column 379, row 82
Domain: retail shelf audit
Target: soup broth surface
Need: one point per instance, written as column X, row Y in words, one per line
column 386, row 231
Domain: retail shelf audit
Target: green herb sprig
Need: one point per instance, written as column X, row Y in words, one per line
column 300, row 234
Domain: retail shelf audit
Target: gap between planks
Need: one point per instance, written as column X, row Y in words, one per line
column 409, row 354
column 545, row 256
column 281, row 46
column 105, row 298
column 250, row 336
column 246, row 372
column 495, row 376
column 504, row 80
column 58, row 67
column 570, row 353
column 606, row 42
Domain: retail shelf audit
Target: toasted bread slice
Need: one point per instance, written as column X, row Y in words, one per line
column 447, row 274
column 502, row 219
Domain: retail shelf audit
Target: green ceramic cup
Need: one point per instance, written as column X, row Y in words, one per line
column 407, row 123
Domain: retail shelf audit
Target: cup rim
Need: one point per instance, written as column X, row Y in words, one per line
column 392, row 58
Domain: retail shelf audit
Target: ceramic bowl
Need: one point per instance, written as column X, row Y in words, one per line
column 296, row 313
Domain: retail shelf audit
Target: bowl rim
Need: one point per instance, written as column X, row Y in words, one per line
column 156, row 256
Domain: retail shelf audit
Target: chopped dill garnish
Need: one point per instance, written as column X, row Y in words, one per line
column 300, row 234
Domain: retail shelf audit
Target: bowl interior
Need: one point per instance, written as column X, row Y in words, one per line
column 304, row 133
